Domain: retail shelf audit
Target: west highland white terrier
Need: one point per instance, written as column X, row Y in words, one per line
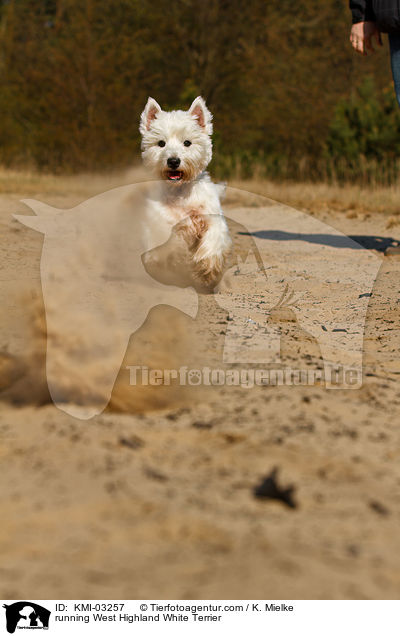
column 184, row 203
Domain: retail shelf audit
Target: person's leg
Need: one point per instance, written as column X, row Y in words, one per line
column 394, row 43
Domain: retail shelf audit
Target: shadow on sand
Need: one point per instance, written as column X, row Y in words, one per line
column 354, row 241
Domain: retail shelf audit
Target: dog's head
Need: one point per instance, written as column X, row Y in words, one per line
column 176, row 145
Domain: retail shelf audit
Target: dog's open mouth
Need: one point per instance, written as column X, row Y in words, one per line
column 174, row 175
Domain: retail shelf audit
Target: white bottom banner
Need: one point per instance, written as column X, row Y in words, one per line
column 194, row 617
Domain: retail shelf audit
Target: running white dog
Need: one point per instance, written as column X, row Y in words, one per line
column 177, row 147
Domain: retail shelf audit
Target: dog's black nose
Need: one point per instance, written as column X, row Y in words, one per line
column 173, row 162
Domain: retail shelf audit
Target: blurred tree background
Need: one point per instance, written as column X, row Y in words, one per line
column 289, row 96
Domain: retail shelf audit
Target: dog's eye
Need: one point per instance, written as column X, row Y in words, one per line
column 187, row 143
column 161, row 143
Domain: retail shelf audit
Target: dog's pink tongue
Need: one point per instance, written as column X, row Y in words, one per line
column 174, row 176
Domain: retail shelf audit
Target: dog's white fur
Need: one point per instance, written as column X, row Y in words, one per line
column 185, row 199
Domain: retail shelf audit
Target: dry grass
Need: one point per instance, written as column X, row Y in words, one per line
column 312, row 197
column 320, row 197
column 34, row 183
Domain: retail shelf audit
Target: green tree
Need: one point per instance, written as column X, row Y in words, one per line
column 366, row 124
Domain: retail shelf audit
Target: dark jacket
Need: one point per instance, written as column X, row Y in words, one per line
column 386, row 13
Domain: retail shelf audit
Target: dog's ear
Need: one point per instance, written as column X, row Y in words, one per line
column 46, row 217
column 200, row 112
column 150, row 112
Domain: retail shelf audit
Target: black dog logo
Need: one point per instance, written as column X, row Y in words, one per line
column 26, row 615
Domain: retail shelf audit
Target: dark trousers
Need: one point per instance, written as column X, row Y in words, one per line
column 394, row 42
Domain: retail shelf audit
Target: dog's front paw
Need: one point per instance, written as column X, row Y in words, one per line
column 193, row 228
column 209, row 243
column 212, row 253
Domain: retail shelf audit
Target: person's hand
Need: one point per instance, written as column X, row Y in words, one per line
column 362, row 36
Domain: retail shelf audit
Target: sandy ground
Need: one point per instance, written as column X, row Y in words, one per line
column 145, row 502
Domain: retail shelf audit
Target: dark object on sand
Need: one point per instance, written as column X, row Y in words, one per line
column 134, row 442
column 270, row 489
column 378, row 507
